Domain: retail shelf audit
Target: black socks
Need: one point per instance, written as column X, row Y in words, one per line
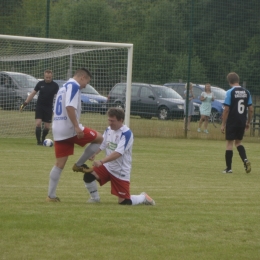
column 38, row 131
column 228, row 156
column 242, row 152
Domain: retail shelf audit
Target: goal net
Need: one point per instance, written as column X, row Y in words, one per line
column 23, row 61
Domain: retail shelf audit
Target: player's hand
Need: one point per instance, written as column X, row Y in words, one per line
column 222, row 129
column 97, row 163
column 247, row 126
column 80, row 133
column 23, row 106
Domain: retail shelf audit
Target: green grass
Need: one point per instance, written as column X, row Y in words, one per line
column 200, row 213
column 22, row 125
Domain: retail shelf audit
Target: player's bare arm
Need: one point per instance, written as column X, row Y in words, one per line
column 113, row 156
column 73, row 119
column 224, row 118
column 28, row 100
column 249, row 116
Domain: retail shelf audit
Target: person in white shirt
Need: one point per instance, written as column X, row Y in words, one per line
column 206, row 98
column 116, row 165
column 67, row 130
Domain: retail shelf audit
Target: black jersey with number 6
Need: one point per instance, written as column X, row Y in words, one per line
column 237, row 99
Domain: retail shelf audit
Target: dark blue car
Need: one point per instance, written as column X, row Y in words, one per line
column 217, row 104
column 91, row 100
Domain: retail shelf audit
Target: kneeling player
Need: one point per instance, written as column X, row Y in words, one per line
column 116, row 166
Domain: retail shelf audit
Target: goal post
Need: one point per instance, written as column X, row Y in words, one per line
column 109, row 63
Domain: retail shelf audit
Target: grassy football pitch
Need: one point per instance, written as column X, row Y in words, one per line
column 200, row 213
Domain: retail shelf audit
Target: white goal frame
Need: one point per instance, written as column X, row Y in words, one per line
column 90, row 43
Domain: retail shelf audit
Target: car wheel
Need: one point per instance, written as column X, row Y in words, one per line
column 119, row 105
column 17, row 104
column 163, row 113
column 214, row 116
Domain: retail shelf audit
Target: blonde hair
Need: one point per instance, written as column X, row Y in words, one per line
column 186, row 85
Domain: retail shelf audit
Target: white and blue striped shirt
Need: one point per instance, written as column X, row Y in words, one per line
column 68, row 95
column 120, row 141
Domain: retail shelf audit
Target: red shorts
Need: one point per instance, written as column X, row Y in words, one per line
column 119, row 187
column 65, row 147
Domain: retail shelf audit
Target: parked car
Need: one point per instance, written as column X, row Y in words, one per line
column 15, row 88
column 149, row 101
column 7, row 97
column 91, row 100
column 217, row 104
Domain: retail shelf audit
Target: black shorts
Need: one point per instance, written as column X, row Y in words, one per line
column 43, row 113
column 234, row 133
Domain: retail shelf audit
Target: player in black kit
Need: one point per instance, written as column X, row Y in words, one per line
column 47, row 89
column 236, row 119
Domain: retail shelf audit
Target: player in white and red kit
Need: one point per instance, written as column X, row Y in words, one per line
column 67, row 130
column 116, row 165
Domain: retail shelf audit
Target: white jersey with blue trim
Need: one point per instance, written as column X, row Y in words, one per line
column 68, row 95
column 120, row 141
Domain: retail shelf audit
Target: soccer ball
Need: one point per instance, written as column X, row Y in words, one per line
column 48, row 143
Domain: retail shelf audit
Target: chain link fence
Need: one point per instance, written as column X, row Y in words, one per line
column 174, row 41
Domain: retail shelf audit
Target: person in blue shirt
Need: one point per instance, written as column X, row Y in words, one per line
column 237, row 115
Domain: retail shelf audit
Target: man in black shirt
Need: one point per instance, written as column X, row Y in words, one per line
column 236, row 119
column 43, row 112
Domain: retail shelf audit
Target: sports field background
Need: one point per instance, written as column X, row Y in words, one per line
column 215, row 36
column 200, row 213
column 200, row 41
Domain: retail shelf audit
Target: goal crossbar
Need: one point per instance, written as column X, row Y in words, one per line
column 52, row 54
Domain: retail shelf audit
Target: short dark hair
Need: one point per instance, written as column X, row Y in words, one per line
column 232, row 78
column 48, row 71
column 83, row 71
column 117, row 112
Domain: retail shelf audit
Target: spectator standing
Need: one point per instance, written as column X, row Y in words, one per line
column 205, row 108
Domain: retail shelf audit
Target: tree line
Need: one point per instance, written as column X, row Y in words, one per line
column 219, row 35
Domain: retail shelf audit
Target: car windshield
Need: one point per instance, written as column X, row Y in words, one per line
column 89, row 90
column 25, row 81
column 60, row 82
column 165, row 92
column 219, row 93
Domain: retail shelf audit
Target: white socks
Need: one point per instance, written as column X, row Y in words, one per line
column 89, row 151
column 53, row 181
column 137, row 199
column 92, row 189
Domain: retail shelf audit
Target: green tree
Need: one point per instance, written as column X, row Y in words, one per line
column 82, row 20
column 248, row 65
column 180, row 69
column 7, row 17
column 222, row 30
column 163, row 37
